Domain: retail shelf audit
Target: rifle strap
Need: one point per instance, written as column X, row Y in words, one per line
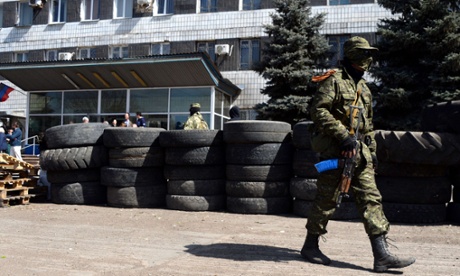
column 355, row 110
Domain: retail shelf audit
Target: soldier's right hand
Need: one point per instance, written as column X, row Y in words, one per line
column 348, row 147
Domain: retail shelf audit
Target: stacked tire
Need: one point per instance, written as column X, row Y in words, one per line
column 303, row 183
column 412, row 174
column 134, row 175
column 259, row 157
column 73, row 158
column 194, row 169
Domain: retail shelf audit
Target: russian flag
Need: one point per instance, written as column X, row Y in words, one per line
column 4, row 91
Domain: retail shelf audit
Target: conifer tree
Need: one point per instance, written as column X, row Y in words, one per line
column 418, row 61
column 289, row 61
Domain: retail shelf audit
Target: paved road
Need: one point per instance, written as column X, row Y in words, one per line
column 49, row 239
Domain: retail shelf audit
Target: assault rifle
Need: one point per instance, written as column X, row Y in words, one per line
column 349, row 164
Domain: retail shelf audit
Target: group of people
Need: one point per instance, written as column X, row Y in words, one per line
column 10, row 142
column 140, row 121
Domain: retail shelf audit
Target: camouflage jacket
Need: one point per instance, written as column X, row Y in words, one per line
column 196, row 121
column 330, row 113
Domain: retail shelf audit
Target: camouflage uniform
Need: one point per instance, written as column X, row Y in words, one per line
column 196, row 121
column 329, row 113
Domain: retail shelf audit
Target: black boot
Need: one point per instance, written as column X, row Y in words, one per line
column 383, row 259
column 311, row 252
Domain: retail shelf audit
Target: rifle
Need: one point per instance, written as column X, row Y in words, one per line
column 350, row 163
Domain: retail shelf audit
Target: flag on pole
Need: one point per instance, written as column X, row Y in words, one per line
column 4, row 91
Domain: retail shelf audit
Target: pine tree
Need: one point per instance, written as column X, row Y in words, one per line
column 419, row 60
column 295, row 51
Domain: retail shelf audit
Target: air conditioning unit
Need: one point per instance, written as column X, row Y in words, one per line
column 222, row 49
column 65, row 56
column 35, row 3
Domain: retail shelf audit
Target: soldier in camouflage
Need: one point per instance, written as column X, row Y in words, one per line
column 195, row 120
column 330, row 112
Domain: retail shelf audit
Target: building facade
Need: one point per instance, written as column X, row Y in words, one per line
column 230, row 31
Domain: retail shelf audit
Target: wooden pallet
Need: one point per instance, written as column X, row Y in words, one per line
column 14, row 183
column 15, row 200
column 8, row 162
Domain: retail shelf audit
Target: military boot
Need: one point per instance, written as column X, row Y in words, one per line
column 383, row 259
column 311, row 252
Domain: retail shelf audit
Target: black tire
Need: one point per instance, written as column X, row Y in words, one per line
column 256, row 126
column 257, row 137
column 418, row 147
column 75, row 135
column 136, row 157
column 414, row 190
column 87, row 193
column 195, row 156
column 346, row 211
column 85, row 175
column 191, row 138
column 73, row 158
column 453, row 212
column 197, row 172
column 415, row 213
column 301, row 135
column 126, row 137
column 456, row 194
column 441, row 117
column 303, row 163
column 259, row 173
column 130, row 177
column 136, row 197
column 303, row 188
column 261, row 205
column 410, row 170
column 196, row 187
column 195, row 203
column 259, row 154
column 257, row 189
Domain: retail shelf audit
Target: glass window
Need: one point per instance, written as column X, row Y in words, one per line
column 51, row 55
column 58, row 11
column 338, row 2
column 208, row 6
column 156, row 120
column 80, row 102
column 251, row 5
column 250, row 53
column 86, row 53
column 182, row 98
column 218, row 121
column 45, row 103
column 119, row 52
column 21, row 57
column 161, row 49
column 165, row 7
column 149, row 100
column 123, row 9
column 90, row 9
column 26, row 14
column 208, row 47
column 113, row 101
column 38, row 124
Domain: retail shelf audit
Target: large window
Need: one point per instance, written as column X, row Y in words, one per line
column 51, row 55
column 251, row 4
column 86, row 53
column 338, row 2
column 123, row 9
column 21, row 57
column 58, row 11
column 26, row 14
column 165, row 6
column 161, row 49
column 208, row 6
column 113, row 101
column 39, row 124
column 45, row 103
column 90, row 9
column 84, row 102
column 208, row 47
column 119, row 52
column 182, row 98
column 149, row 100
column 249, row 53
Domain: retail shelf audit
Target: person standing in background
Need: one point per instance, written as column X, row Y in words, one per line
column 127, row 121
column 15, row 141
column 234, row 113
column 140, row 122
column 3, row 141
column 195, row 120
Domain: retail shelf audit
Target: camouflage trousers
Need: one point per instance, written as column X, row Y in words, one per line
column 367, row 197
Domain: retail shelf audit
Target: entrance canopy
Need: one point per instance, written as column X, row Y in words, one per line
column 176, row 70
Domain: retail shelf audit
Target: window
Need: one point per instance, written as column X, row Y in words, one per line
column 250, row 53
column 85, row 53
column 336, row 43
column 118, row 52
column 149, row 100
column 165, row 6
column 208, row 6
column 51, row 55
column 161, row 49
column 26, row 14
column 113, row 101
column 58, row 11
column 123, row 9
column 251, row 5
column 20, row 57
column 80, row 102
column 338, row 2
column 90, row 9
column 208, row 47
